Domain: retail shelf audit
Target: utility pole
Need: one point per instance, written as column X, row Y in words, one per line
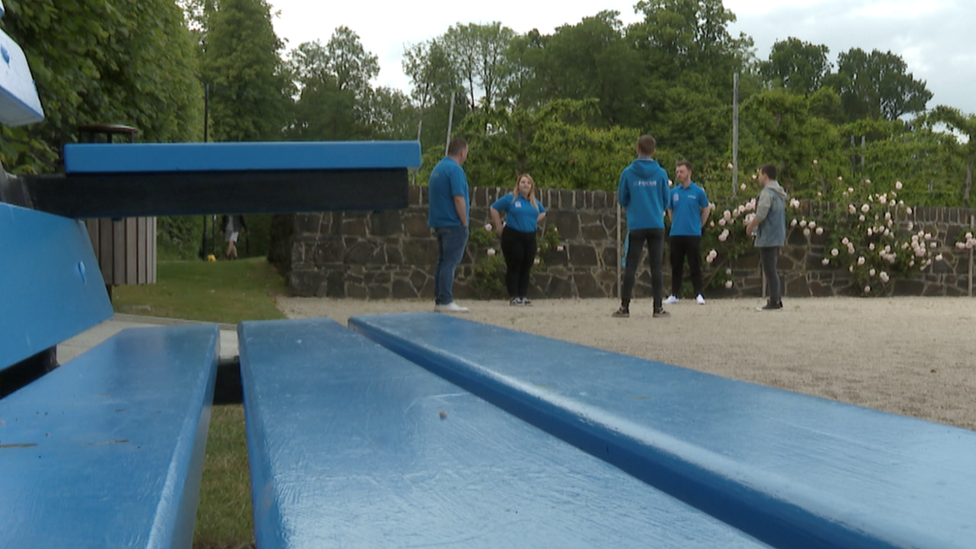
column 735, row 134
column 450, row 122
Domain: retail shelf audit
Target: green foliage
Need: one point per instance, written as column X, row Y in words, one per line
column 877, row 85
column 797, row 66
column 553, row 143
column 102, row 61
column 250, row 85
column 865, row 237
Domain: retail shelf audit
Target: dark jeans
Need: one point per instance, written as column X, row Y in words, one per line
column 774, row 286
column 682, row 247
column 519, row 249
column 450, row 250
column 655, row 247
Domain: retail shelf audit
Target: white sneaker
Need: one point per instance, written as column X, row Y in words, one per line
column 451, row 307
column 700, row 299
column 671, row 300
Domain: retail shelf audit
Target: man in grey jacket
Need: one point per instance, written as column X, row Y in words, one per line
column 769, row 228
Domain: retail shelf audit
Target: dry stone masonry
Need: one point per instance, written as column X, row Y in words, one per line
column 392, row 254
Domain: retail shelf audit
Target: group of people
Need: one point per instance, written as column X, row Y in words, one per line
column 643, row 190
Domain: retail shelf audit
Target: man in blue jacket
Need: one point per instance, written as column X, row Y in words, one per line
column 643, row 191
column 448, row 216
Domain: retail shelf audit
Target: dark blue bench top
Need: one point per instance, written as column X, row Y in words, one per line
column 52, row 287
column 792, row 470
column 347, row 449
column 107, row 450
column 194, row 157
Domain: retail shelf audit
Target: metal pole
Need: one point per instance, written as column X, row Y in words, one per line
column 450, row 122
column 972, row 226
column 620, row 252
column 735, row 134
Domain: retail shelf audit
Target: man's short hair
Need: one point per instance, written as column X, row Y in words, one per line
column 686, row 164
column 646, row 145
column 768, row 170
column 456, row 145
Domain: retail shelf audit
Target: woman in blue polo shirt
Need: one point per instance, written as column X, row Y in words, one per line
column 522, row 216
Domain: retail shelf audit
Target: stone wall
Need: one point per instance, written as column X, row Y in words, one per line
column 392, row 254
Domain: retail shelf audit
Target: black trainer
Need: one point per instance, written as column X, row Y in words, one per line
column 661, row 313
column 525, row 301
column 770, row 306
column 515, row 301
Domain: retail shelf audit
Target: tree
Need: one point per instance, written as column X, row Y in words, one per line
column 102, row 61
column 477, row 53
column 588, row 60
column 965, row 125
column 877, row 85
column 796, row 65
column 690, row 60
column 251, row 89
column 335, row 92
column 430, row 68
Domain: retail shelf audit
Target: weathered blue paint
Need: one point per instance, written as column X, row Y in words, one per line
column 107, row 450
column 51, row 286
column 348, row 448
column 19, row 104
column 792, row 470
column 212, row 157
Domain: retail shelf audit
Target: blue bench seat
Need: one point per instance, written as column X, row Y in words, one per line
column 107, row 450
column 348, row 448
column 789, row 469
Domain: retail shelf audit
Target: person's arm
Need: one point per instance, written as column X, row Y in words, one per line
column 542, row 216
column 496, row 220
column 706, row 211
column 462, row 210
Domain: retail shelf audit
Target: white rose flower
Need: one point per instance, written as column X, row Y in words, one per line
column 728, row 283
column 834, row 252
column 491, row 251
column 819, row 230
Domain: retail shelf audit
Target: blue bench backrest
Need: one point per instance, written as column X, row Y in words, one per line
column 52, row 287
column 790, row 469
column 19, row 103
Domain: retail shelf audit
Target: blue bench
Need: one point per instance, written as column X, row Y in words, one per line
column 791, row 470
column 155, row 179
column 106, row 450
column 348, row 448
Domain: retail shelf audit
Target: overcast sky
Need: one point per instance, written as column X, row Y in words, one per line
column 934, row 37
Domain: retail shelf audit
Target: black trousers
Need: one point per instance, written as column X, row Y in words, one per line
column 682, row 247
column 774, row 285
column 655, row 247
column 519, row 250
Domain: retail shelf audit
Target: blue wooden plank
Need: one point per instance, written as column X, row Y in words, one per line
column 53, row 289
column 195, row 157
column 792, row 470
column 107, row 450
column 348, row 448
column 19, row 104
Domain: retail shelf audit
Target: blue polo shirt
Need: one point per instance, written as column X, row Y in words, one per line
column 686, row 206
column 447, row 180
column 520, row 214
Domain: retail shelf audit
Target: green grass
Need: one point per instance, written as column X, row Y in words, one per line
column 226, row 292
column 222, row 291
